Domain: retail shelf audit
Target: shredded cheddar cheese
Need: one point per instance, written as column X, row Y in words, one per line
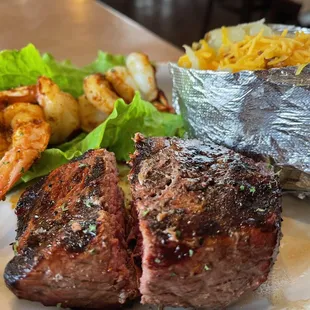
column 254, row 52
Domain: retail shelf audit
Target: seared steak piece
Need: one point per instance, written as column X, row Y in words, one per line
column 210, row 220
column 71, row 238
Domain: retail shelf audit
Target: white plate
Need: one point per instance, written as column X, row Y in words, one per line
column 288, row 286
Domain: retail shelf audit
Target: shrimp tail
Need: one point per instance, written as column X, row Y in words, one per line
column 161, row 103
column 12, row 165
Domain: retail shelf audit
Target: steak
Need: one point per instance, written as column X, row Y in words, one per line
column 72, row 238
column 210, row 220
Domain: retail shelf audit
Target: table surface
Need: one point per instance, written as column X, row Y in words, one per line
column 77, row 29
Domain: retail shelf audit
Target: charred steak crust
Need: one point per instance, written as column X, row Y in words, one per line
column 210, row 221
column 72, row 242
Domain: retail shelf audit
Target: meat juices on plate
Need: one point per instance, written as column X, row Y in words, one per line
column 210, row 221
column 72, row 246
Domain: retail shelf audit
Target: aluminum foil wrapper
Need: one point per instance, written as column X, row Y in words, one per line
column 263, row 112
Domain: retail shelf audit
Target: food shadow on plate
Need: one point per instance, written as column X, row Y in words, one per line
column 20, row 304
column 137, row 306
column 296, row 208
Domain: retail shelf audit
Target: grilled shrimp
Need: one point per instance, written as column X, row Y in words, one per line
column 4, row 144
column 19, row 94
column 30, row 137
column 122, row 82
column 60, row 109
column 99, row 93
column 143, row 73
column 90, row 117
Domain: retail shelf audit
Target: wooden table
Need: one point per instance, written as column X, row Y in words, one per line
column 77, row 29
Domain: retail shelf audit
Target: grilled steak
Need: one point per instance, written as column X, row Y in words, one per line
column 210, row 220
column 72, row 238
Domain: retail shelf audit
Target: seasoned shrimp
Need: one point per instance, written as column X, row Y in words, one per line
column 161, row 103
column 4, row 144
column 90, row 117
column 30, row 137
column 99, row 93
column 122, row 82
column 19, row 94
column 61, row 110
column 143, row 73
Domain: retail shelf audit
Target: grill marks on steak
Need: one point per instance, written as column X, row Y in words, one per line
column 209, row 218
column 209, row 223
column 72, row 238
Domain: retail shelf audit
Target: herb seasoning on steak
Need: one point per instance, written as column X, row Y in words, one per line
column 71, row 235
column 210, row 221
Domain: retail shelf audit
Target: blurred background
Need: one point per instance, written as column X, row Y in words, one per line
column 184, row 21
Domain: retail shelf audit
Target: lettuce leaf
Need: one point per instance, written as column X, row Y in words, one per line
column 23, row 67
column 115, row 134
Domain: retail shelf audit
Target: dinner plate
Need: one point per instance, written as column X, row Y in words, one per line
column 288, row 285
